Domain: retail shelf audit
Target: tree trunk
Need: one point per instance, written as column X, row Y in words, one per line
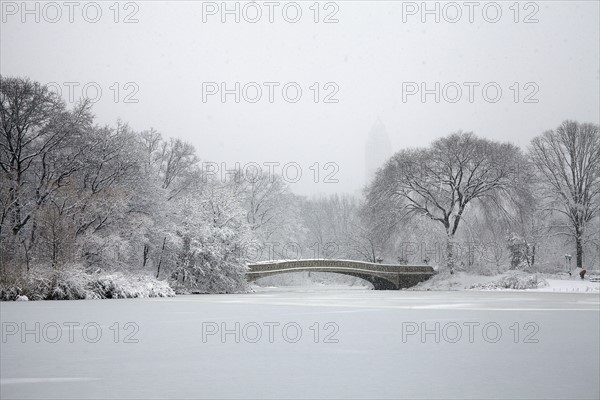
column 161, row 257
column 579, row 249
column 26, row 258
column 450, row 253
column 145, row 256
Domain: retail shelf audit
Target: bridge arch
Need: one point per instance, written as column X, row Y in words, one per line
column 382, row 276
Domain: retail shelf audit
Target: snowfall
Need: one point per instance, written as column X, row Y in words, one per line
column 310, row 342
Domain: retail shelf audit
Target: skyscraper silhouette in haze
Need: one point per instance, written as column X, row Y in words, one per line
column 378, row 149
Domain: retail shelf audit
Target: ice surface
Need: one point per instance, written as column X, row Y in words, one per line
column 370, row 359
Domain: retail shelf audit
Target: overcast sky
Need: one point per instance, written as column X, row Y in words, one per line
column 369, row 55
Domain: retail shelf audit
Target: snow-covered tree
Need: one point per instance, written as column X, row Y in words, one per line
column 213, row 234
column 40, row 152
column 441, row 182
column 568, row 159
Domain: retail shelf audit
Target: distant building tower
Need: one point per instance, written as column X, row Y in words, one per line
column 378, row 149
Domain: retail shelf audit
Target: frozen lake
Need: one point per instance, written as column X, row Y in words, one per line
column 305, row 343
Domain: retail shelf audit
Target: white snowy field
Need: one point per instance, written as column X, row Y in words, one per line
column 369, row 345
column 548, row 283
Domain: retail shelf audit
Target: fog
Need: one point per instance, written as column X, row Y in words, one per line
column 368, row 66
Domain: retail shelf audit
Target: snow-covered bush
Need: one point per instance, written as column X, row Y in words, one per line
column 75, row 284
column 514, row 281
column 10, row 292
column 47, row 284
column 213, row 230
column 120, row 286
column 63, row 285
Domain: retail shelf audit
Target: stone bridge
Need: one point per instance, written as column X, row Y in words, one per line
column 382, row 276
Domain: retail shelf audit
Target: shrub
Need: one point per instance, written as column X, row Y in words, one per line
column 9, row 292
column 120, row 286
column 514, row 281
column 65, row 285
column 75, row 284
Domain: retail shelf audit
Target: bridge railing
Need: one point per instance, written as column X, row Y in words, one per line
column 324, row 263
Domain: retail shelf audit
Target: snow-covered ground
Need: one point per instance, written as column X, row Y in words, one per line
column 369, row 345
column 570, row 285
column 549, row 283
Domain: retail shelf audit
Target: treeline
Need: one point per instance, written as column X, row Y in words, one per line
column 76, row 196
column 478, row 197
column 80, row 203
column 82, row 200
